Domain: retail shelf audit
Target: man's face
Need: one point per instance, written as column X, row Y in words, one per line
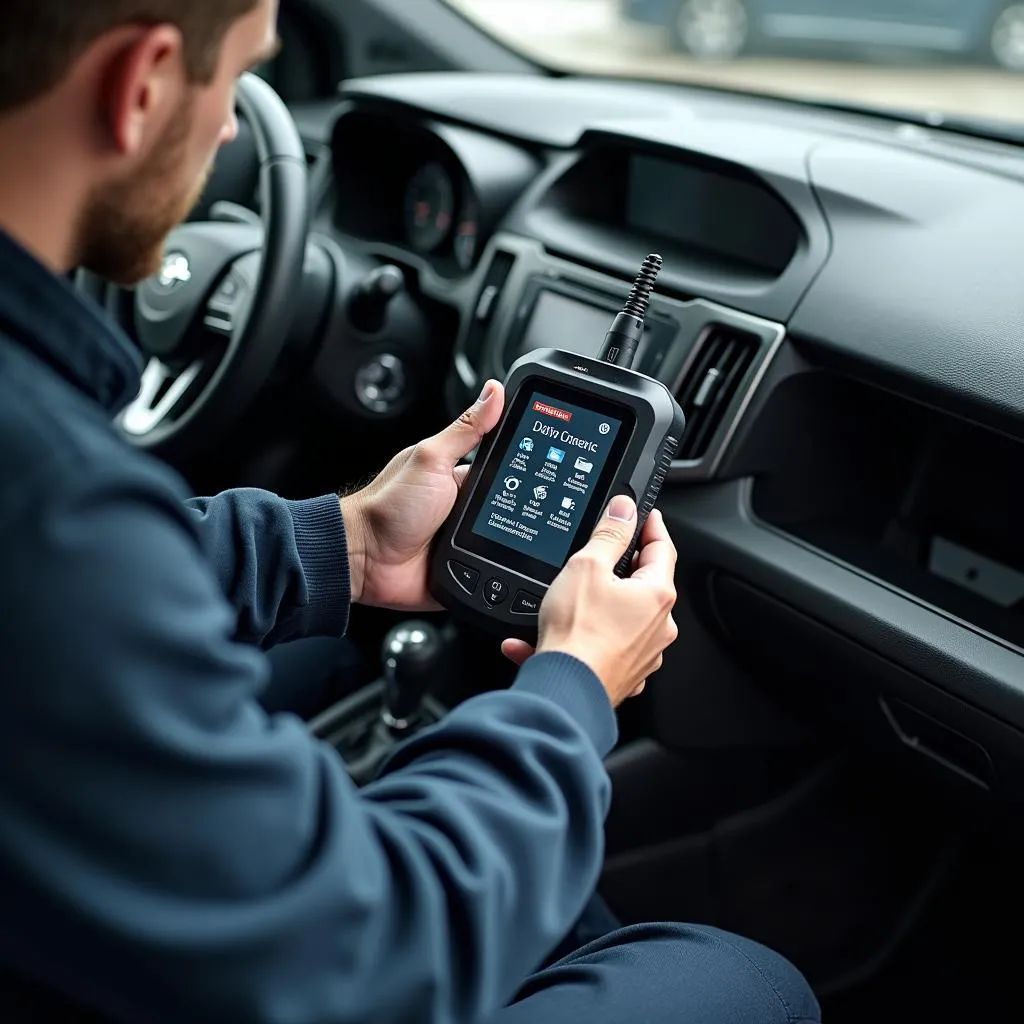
column 126, row 222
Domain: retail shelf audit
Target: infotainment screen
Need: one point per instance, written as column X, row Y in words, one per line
column 557, row 460
column 558, row 321
column 698, row 209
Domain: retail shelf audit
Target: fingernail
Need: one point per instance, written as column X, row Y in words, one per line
column 485, row 395
column 621, row 509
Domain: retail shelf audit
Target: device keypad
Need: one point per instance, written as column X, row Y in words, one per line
column 525, row 604
column 495, row 592
column 464, row 576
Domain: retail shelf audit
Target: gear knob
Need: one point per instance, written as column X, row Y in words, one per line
column 411, row 656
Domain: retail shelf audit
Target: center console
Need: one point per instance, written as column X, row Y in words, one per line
column 367, row 726
column 710, row 356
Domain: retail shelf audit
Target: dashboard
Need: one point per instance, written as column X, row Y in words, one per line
column 840, row 314
column 432, row 190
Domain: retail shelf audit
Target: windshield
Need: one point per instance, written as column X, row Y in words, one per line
column 959, row 58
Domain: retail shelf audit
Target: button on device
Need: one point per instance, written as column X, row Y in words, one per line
column 465, row 577
column 495, row 592
column 525, row 604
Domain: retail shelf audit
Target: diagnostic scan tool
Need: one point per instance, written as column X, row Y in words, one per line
column 576, row 431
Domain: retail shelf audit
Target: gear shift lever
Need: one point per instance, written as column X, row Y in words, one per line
column 367, row 725
column 411, row 656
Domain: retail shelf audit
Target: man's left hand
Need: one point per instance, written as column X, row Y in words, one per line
column 390, row 524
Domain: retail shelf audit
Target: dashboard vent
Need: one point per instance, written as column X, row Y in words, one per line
column 711, row 384
column 487, row 303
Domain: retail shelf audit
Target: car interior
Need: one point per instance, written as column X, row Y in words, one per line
column 831, row 760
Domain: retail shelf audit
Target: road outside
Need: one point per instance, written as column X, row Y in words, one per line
column 588, row 36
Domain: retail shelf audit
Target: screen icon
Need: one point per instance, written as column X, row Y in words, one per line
column 605, row 428
column 584, row 465
column 540, row 493
column 512, row 483
column 556, row 455
column 568, row 504
column 526, row 445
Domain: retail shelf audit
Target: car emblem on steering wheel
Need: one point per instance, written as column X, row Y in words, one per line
column 174, row 272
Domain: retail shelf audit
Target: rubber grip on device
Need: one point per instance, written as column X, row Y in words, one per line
column 647, row 503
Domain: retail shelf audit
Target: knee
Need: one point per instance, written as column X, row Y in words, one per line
column 668, row 973
column 742, row 979
column 687, row 972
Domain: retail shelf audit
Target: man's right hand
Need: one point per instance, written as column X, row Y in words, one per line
column 618, row 627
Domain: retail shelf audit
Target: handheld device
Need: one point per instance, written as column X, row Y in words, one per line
column 575, row 432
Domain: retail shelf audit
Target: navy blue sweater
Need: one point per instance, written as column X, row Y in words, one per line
column 168, row 852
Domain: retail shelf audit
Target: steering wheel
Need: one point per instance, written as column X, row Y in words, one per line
column 215, row 319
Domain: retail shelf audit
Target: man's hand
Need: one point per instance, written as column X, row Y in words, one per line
column 619, row 627
column 391, row 523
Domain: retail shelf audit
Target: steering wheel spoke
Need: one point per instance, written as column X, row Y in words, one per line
column 228, row 308
column 162, row 392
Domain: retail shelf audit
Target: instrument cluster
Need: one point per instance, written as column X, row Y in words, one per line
column 441, row 215
column 433, row 191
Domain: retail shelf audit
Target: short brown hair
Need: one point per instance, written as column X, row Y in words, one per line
column 41, row 39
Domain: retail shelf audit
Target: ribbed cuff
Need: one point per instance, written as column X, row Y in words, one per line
column 323, row 551
column 572, row 685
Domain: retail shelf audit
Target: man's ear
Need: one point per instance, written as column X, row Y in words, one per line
column 143, row 86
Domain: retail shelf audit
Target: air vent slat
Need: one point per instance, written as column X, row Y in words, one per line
column 487, row 302
column 715, row 411
column 711, row 387
column 706, row 414
column 705, row 362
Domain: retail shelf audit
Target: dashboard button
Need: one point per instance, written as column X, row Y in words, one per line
column 495, row 592
column 465, row 577
column 526, row 604
column 228, row 291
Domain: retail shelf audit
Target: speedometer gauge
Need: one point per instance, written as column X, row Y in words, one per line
column 429, row 208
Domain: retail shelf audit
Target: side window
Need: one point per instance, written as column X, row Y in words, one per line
column 311, row 62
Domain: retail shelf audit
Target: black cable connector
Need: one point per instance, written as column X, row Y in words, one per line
column 627, row 330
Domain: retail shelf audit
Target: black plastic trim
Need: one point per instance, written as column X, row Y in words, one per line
column 714, row 527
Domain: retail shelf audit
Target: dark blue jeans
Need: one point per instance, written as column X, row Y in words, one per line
column 666, row 974
column 601, row 973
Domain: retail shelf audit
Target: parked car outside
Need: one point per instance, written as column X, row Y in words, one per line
column 986, row 30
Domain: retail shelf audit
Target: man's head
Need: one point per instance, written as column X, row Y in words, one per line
column 136, row 96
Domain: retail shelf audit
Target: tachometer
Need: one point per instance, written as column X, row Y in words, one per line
column 429, row 207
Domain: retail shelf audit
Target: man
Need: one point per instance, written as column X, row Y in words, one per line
column 168, row 851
